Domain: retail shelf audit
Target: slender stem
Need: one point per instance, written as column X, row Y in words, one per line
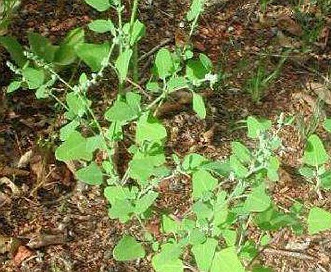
column 120, row 26
column 59, row 101
column 135, row 71
column 135, row 46
column 133, row 14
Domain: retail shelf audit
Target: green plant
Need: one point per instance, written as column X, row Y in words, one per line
column 315, row 161
column 311, row 24
column 227, row 196
column 257, row 84
column 264, row 4
column 324, row 5
column 318, row 220
column 7, row 7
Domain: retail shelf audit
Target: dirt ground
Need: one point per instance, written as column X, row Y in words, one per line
column 48, row 223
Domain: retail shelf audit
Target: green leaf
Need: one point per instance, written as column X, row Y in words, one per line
column 138, row 32
column 74, row 148
column 248, row 250
column 122, row 64
column 220, row 209
column 120, row 111
column 307, row 172
column 203, row 182
column 121, row 210
column 195, row 71
column 93, row 54
column 195, row 10
column 33, row 77
column 123, row 111
column 192, row 161
column 176, row 83
column 230, row 236
column 102, row 26
column 315, row 153
column 220, row 167
column 237, row 167
column 133, row 100
column 326, row 180
column 149, row 129
column 164, row 63
column 42, row 92
column 196, row 236
column 69, row 128
column 41, row 46
column 272, row 168
column 199, row 105
column 169, row 225
column 257, row 200
column 318, row 220
column 227, row 260
column 256, row 127
column 167, row 260
column 99, row 5
column 271, row 219
column 143, row 203
column 153, row 87
column 114, row 193
column 327, row 124
column 15, row 50
column 128, row 249
column 90, row 174
column 204, row 253
column 66, row 53
column 206, row 62
column 241, row 152
column 202, row 210
column 75, row 104
column 141, row 169
column 13, row 86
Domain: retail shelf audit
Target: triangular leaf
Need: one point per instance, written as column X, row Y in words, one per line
column 15, row 50
column 99, row 5
column 93, row 54
column 318, row 220
column 203, row 182
column 122, row 64
column 41, row 46
column 199, row 105
column 204, row 253
column 164, row 63
column 74, row 148
column 315, row 153
column 227, row 260
column 128, row 249
column 90, row 174
column 257, row 200
column 149, row 129
column 102, row 26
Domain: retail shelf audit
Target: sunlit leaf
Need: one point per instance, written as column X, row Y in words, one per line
column 128, row 249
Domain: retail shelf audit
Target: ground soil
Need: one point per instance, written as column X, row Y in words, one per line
column 48, row 223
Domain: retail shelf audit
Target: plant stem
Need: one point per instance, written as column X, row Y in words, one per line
column 135, row 75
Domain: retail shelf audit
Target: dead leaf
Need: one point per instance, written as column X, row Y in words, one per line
column 286, row 23
column 22, row 254
column 321, row 90
column 25, row 159
column 42, row 240
column 15, row 190
column 286, row 41
column 10, row 171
